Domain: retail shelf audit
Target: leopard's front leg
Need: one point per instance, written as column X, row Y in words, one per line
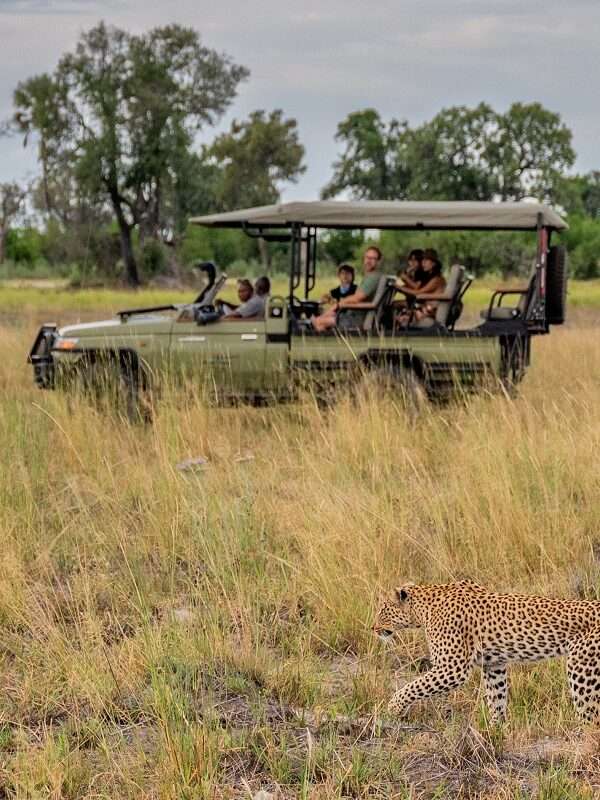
column 438, row 680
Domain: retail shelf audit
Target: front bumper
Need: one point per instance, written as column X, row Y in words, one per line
column 40, row 356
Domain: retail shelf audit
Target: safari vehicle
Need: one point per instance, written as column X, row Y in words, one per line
column 272, row 357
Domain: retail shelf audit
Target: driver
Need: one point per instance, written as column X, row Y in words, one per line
column 245, row 290
column 252, row 300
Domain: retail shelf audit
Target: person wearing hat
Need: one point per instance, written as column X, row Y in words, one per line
column 432, row 282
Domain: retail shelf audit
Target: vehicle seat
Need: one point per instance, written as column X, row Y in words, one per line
column 384, row 291
column 449, row 308
column 371, row 311
column 495, row 311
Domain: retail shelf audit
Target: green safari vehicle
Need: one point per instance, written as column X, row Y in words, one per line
column 275, row 357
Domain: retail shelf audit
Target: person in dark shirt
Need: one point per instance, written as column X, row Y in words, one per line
column 347, row 286
column 433, row 284
column 414, row 276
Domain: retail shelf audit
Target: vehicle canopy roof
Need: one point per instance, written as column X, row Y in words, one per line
column 440, row 215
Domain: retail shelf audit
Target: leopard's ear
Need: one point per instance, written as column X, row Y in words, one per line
column 403, row 592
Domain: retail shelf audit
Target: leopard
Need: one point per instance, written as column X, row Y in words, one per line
column 466, row 626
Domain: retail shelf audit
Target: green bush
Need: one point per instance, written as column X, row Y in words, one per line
column 24, row 245
column 503, row 252
column 222, row 246
column 153, row 259
column 583, row 244
column 340, row 246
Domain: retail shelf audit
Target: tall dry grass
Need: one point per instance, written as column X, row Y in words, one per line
column 176, row 634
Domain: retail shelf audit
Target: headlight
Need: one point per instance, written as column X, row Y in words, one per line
column 65, row 344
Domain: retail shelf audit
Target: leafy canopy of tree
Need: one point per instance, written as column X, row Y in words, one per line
column 124, row 110
column 461, row 154
column 581, row 194
column 255, row 157
column 374, row 162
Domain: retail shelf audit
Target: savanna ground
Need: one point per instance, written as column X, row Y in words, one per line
column 205, row 634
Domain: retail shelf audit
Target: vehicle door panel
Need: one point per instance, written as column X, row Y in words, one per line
column 226, row 354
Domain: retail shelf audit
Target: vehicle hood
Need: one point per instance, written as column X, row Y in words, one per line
column 108, row 326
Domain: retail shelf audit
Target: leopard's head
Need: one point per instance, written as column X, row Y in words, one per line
column 396, row 614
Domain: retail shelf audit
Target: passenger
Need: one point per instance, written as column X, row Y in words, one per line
column 346, row 288
column 413, row 277
column 414, row 274
column 434, row 283
column 365, row 292
column 254, row 306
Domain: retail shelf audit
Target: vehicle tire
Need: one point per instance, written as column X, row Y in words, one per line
column 556, row 285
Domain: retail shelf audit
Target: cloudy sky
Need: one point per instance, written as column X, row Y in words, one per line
column 320, row 59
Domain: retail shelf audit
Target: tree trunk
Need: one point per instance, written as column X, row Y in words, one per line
column 265, row 255
column 3, row 233
column 131, row 270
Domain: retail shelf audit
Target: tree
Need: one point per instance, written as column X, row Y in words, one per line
column 41, row 105
column 580, row 194
column 590, row 193
column 12, row 197
column 255, row 158
column 447, row 155
column 529, row 153
column 461, row 154
column 129, row 107
column 374, row 163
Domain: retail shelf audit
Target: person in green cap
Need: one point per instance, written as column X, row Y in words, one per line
column 364, row 294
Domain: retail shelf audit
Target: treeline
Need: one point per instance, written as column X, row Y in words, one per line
column 115, row 128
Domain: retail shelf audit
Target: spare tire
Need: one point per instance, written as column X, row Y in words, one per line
column 556, row 285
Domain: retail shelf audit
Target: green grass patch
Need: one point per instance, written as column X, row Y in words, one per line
column 27, row 298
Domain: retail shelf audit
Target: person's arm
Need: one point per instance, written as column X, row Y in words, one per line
column 407, row 282
column 436, row 286
column 250, row 310
column 407, row 291
column 358, row 297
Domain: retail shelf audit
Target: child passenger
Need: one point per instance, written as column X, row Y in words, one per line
column 346, row 288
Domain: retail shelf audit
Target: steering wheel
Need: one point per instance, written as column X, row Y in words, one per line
column 295, row 305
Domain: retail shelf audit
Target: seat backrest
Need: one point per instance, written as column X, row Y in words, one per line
column 526, row 296
column 377, row 301
column 456, row 279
